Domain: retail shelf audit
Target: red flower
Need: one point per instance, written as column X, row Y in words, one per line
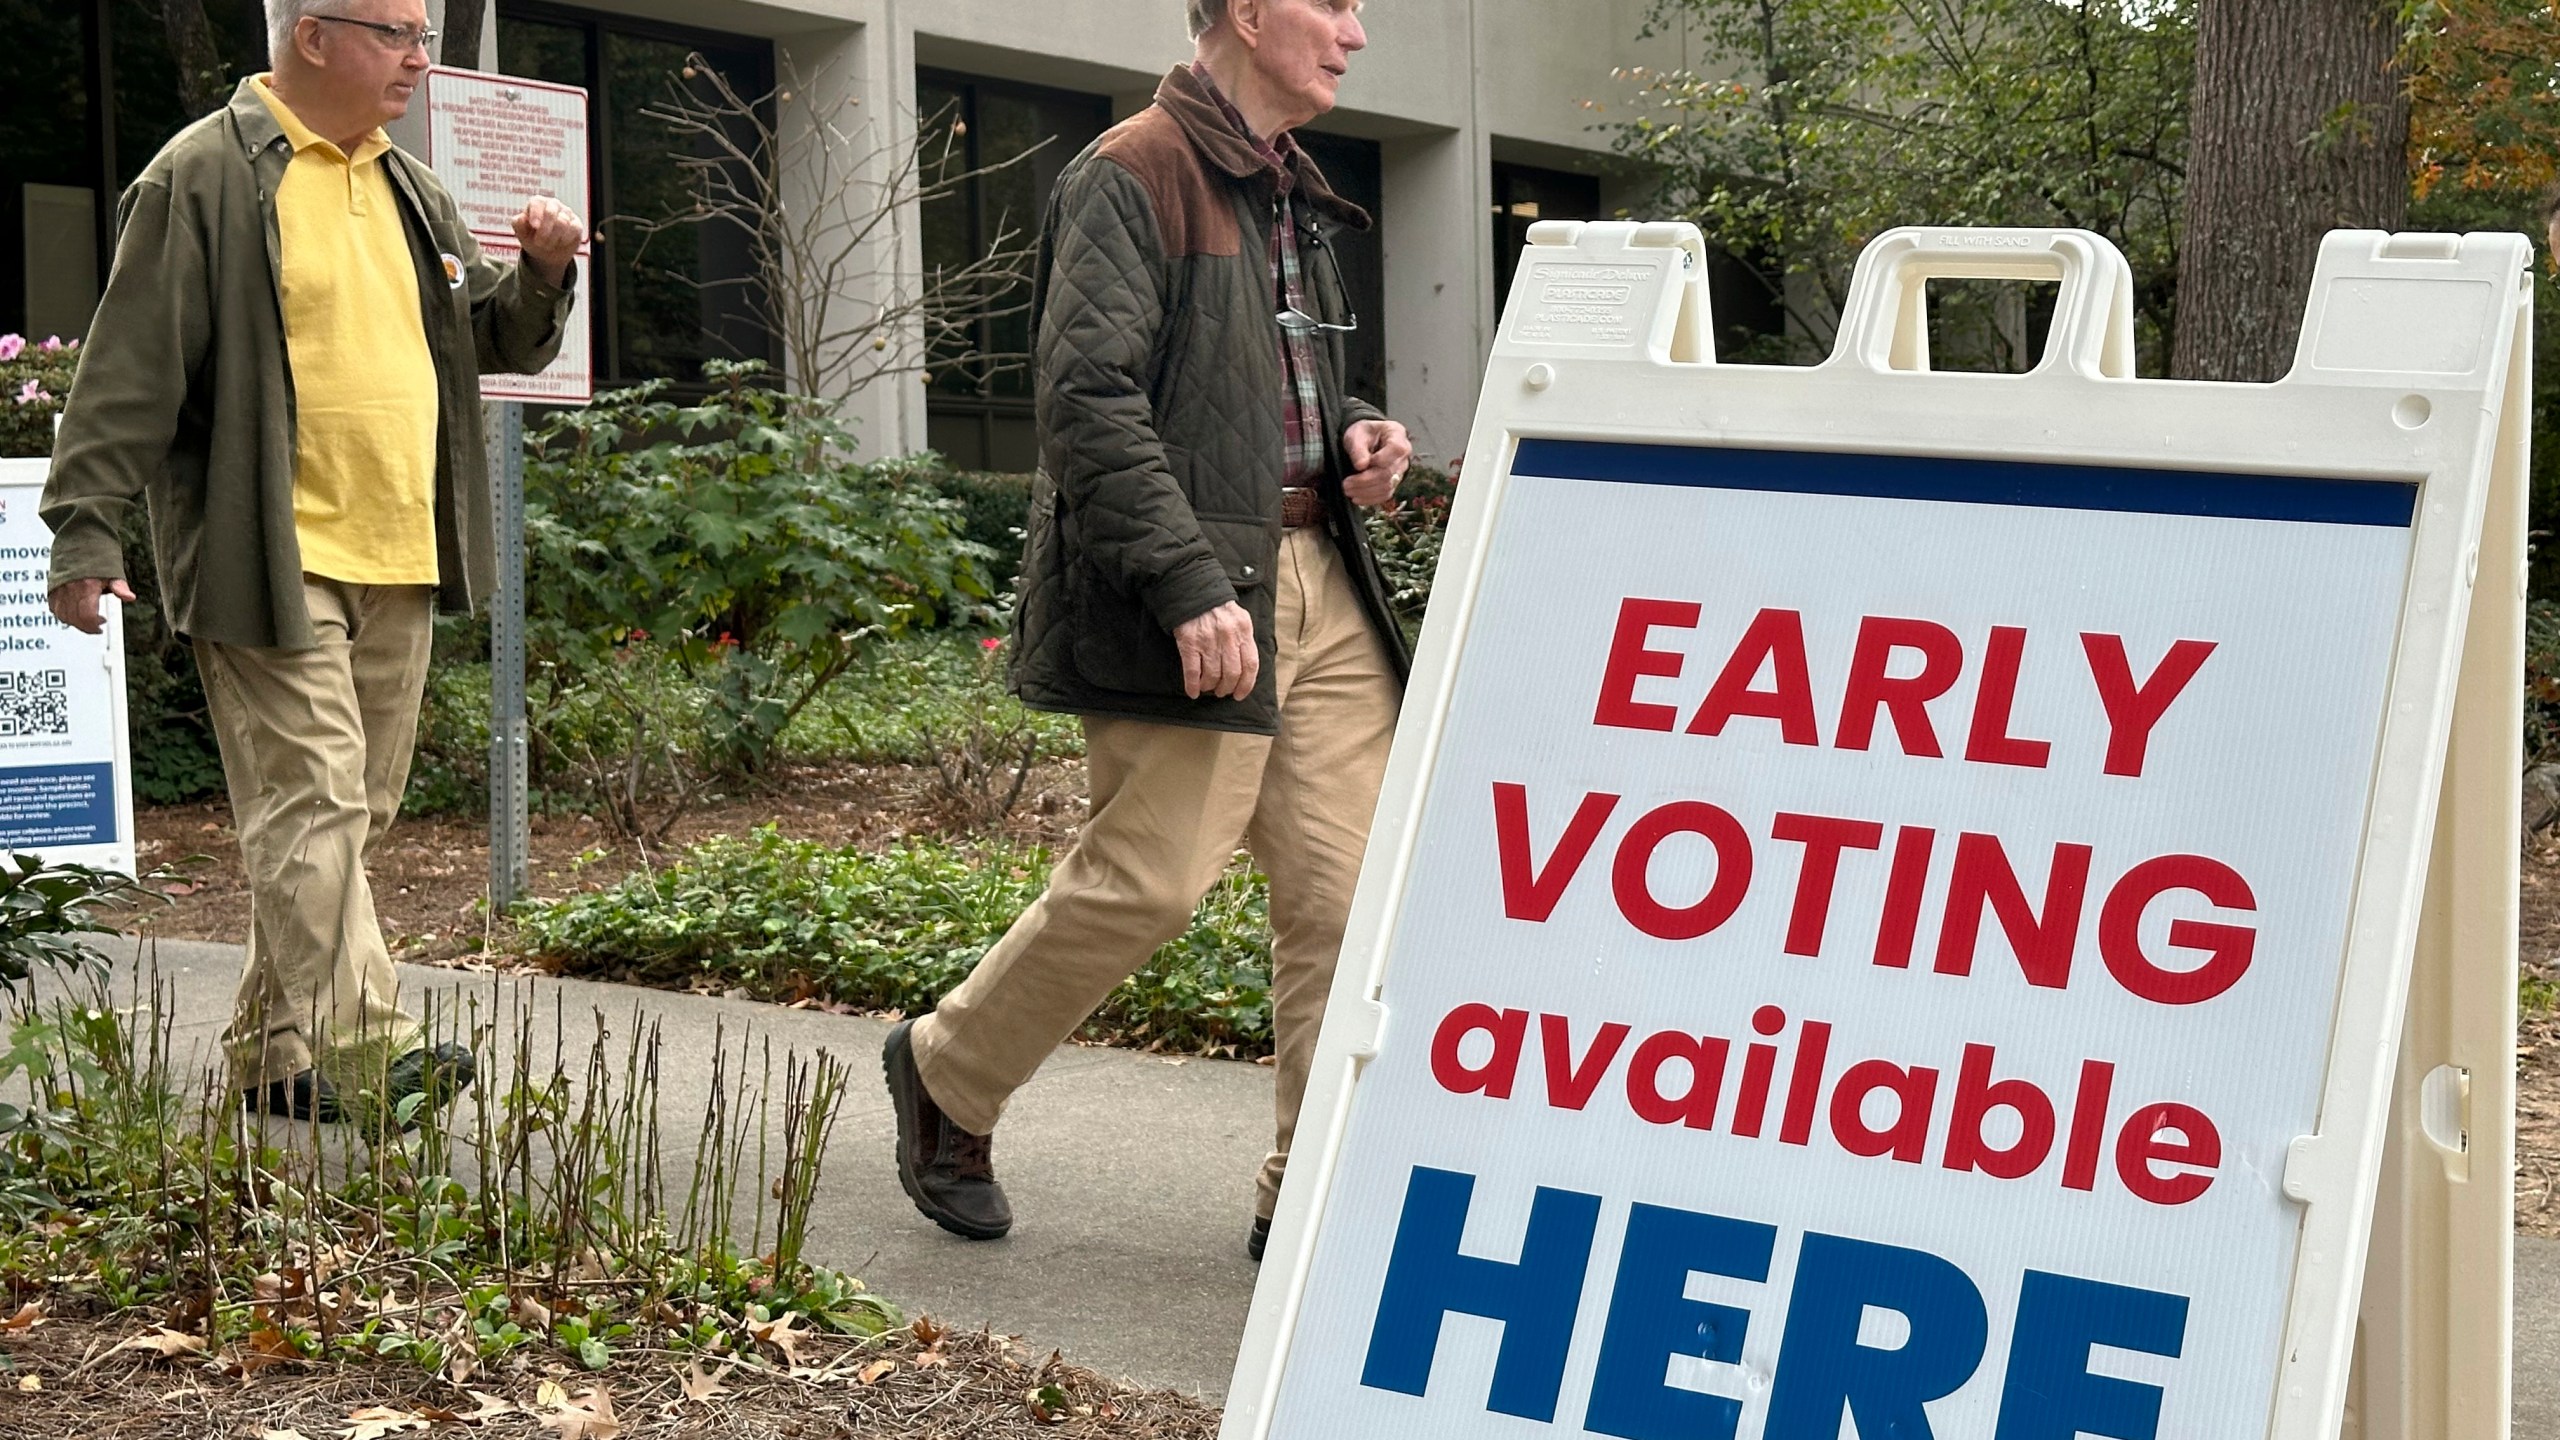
column 992, row 642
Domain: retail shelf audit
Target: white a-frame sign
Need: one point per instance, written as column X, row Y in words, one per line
column 1937, row 902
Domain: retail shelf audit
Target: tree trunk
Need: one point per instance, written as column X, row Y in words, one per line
column 461, row 44
column 204, row 82
column 2299, row 126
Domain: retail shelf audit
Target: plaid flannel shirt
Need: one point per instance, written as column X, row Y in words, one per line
column 1301, row 414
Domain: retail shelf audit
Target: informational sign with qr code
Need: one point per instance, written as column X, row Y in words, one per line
column 66, row 779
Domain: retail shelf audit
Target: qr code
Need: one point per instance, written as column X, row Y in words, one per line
column 34, row 702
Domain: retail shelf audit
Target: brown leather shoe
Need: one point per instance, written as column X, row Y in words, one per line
column 947, row 1171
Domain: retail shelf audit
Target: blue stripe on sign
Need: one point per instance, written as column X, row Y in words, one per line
column 1977, row 482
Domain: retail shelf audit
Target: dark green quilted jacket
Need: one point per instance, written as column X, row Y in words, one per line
column 1159, row 385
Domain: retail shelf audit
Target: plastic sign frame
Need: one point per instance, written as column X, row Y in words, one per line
column 2407, row 374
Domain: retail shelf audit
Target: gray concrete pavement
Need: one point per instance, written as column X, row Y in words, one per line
column 1131, row 1177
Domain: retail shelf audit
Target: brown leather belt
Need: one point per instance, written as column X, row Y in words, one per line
column 1300, row 507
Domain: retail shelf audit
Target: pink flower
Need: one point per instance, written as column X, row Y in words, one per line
column 51, row 344
column 32, row 392
column 992, row 642
column 11, row 346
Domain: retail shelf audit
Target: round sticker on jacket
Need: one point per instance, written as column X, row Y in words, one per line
column 452, row 271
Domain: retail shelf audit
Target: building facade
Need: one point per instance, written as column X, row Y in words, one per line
column 1463, row 121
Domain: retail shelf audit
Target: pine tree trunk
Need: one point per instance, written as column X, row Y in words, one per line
column 204, row 82
column 2299, row 126
column 461, row 45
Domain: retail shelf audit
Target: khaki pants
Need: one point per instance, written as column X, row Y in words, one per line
column 1169, row 804
column 315, row 751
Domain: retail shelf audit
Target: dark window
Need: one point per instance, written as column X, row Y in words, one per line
column 978, row 386
column 65, row 157
column 1523, row 195
column 669, row 300
column 1351, row 167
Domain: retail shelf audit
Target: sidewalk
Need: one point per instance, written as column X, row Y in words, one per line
column 1131, row 1178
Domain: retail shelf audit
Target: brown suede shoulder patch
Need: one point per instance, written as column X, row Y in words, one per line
column 1194, row 215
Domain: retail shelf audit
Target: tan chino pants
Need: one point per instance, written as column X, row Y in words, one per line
column 316, row 747
column 1169, row 803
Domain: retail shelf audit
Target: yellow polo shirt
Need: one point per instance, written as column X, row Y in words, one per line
column 364, row 384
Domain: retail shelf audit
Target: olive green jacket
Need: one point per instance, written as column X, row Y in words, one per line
column 185, row 395
column 1158, row 375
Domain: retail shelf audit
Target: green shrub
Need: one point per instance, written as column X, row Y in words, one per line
column 906, row 700
column 896, row 929
column 1405, row 534
column 995, row 507
column 736, row 541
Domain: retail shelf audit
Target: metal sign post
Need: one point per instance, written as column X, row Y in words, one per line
column 495, row 139
column 510, row 763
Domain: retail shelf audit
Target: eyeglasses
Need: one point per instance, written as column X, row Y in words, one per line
column 402, row 38
column 1299, row 322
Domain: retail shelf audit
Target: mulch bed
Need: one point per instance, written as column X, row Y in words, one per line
column 68, row 1378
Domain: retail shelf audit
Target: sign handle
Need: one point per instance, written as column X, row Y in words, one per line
column 1884, row 327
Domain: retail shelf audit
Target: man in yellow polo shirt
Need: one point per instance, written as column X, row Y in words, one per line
column 285, row 366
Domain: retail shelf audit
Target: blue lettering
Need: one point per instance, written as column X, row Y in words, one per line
column 2050, row 1394
column 1535, row 1299
column 1651, row 1319
column 1822, row 1365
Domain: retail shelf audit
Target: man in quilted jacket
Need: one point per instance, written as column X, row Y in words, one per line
column 1196, row 584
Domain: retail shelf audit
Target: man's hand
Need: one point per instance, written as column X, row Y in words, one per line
column 1378, row 451
column 549, row 234
column 1218, row 654
column 75, row 602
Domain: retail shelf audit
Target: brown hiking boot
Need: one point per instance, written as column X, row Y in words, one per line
column 948, row 1172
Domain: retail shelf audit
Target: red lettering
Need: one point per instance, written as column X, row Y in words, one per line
column 1630, row 661
column 1530, row 892
column 2140, row 1146
column 1569, row 1086
column 1977, row 1095
column 1915, row 1092
column 1494, row 1076
column 1900, row 923
column 2043, row 943
column 1694, row 1107
column 1823, row 838
column 1759, row 1063
column 2088, row 1125
column 1775, row 640
column 1804, row 1083
column 2132, row 710
column 1635, row 858
column 1906, row 698
column 2228, row 948
column 1989, row 741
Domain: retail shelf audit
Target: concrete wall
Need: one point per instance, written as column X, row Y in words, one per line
column 1445, row 87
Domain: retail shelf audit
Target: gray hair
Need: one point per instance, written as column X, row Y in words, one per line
column 284, row 15
column 1201, row 15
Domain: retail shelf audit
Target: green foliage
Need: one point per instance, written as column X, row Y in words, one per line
column 994, row 506
column 905, row 701
column 735, row 537
column 46, row 911
column 896, row 929
column 34, row 381
column 2541, row 680
column 2536, row 994
column 1405, row 535
column 1804, row 129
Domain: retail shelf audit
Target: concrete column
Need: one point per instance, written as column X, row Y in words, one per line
column 1436, row 204
column 871, row 163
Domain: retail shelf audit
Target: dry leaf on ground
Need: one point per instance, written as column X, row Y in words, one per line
column 282, row 1435
column 375, row 1421
column 589, row 1417
column 783, row 1334
column 699, row 1387
column 30, row 1383
column 872, row 1373
column 164, row 1342
column 29, row 1316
